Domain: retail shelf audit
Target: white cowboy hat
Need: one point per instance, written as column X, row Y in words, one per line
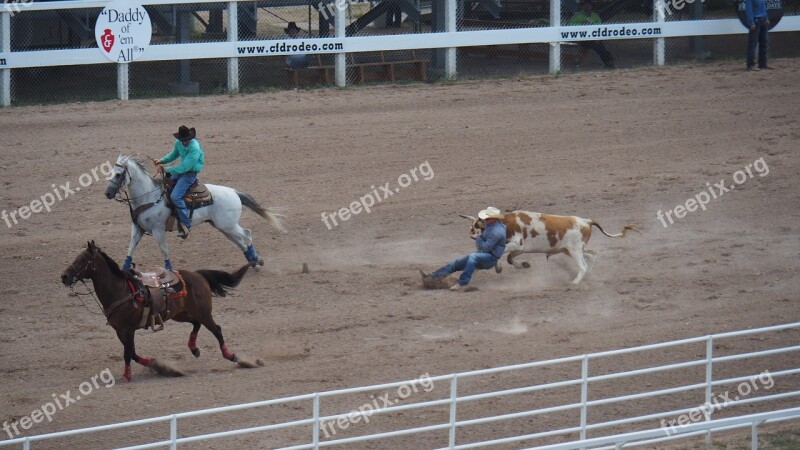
column 489, row 213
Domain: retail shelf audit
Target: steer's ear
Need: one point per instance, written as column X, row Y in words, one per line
column 470, row 218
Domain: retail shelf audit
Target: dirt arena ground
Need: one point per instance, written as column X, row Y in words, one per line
column 613, row 146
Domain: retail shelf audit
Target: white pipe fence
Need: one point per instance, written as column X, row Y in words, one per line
column 584, row 406
column 449, row 39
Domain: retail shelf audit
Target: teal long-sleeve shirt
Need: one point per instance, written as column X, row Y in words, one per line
column 192, row 157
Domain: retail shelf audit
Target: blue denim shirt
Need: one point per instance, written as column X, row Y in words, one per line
column 755, row 8
column 492, row 240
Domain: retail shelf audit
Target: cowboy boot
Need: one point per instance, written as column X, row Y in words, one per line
column 183, row 218
column 183, row 231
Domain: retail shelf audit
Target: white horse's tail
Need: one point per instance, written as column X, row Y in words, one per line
column 273, row 215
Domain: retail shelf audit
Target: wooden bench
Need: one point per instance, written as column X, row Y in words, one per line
column 388, row 70
column 569, row 50
column 322, row 73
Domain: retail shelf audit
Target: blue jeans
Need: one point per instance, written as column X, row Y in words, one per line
column 758, row 37
column 467, row 264
column 184, row 181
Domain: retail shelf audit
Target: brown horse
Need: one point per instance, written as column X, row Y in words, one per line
column 116, row 294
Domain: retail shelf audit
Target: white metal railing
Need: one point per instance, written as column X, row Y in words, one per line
column 658, row 30
column 453, row 400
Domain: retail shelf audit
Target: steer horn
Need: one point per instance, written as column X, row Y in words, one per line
column 470, row 218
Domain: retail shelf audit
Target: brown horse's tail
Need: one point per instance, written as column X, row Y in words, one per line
column 218, row 280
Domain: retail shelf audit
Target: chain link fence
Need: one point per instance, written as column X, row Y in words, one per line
column 207, row 22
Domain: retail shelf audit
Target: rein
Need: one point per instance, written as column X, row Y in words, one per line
column 104, row 311
column 80, row 296
column 114, row 305
column 142, row 208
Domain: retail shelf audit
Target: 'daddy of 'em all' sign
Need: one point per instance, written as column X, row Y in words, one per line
column 123, row 31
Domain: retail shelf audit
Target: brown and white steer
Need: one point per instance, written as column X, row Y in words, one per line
column 532, row 232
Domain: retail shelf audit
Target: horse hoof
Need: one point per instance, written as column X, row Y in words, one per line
column 260, row 262
column 526, row 265
column 196, row 352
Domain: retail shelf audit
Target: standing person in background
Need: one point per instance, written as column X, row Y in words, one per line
column 586, row 16
column 394, row 15
column 758, row 23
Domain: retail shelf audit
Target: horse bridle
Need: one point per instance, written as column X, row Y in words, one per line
column 127, row 200
column 83, row 269
column 119, row 183
column 105, row 311
column 89, row 264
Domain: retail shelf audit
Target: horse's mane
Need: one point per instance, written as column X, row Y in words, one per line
column 139, row 163
column 112, row 265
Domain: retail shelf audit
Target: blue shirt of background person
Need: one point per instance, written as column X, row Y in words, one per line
column 753, row 9
column 295, row 61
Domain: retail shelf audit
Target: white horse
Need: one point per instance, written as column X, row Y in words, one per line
column 149, row 213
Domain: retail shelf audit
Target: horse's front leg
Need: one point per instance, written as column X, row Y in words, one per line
column 161, row 238
column 126, row 337
column 136, row 236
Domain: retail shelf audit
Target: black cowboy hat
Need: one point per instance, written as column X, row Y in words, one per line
column 292, row 26
column 185, row 134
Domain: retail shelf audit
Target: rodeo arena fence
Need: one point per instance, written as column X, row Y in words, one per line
column 686, row 400
column 57, row 51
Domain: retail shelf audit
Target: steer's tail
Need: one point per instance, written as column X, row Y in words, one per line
column 273, row 215
column 621, row 234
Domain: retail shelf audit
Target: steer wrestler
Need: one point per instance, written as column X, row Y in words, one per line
column 491, row 244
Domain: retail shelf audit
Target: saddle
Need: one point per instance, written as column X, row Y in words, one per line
column 158, row 287
column 196, row 196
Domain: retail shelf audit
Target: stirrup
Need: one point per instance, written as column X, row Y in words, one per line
column 156, row 327
column 183, row 231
